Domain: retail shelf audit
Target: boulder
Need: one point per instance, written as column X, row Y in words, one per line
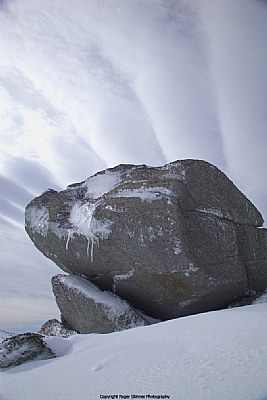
column 170, row 240
column 87, row 309
column 5, row 334
column 18, row 349
column 253, row 252
column 55, row 328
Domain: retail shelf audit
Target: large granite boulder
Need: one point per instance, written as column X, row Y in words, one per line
column 172, row 240
column 18, row 349
column 87, row 309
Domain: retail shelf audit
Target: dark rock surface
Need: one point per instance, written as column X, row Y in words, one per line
column 22, row 348
column 53, row 327
column 87, row 309
column 172, row 241
column 253, row 252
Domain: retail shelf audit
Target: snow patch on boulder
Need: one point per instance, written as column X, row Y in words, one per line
column 38, row 218
column 101, row 184
column 113, row 304
column 146, row 193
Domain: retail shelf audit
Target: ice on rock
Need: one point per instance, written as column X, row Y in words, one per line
column 177, row 249
column 81, row 217
column 191, row 268
column 146, row 193
column 38, row 217
column 214, row 212
column 186, row 303
column 100, row 184
column 123, row 277
column 82, row 214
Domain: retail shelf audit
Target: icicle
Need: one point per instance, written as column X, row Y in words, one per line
column 68, row 239
column 92, row 250
column 94, row 239
column 88, row 244
column 84, row 224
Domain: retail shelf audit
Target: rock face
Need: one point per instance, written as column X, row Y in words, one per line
column 87, row 309
column 172, row 241
column 21, row 348
column 55, row 328
column 5, row 334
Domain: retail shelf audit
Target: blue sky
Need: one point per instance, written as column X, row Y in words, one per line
column 86, row 85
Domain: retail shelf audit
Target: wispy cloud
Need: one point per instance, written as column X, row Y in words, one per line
column 237, row 48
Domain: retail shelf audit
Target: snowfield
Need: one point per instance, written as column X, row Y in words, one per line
column 212, row 356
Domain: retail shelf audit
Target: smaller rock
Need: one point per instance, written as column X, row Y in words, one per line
column 87, row 309
column 18, row 349
column 5, row 334
column 53, row 327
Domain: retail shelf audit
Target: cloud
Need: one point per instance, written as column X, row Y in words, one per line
column 237, row 33
column 14, row 192
column 16, row 314
column 25, row 289
column 162, row 55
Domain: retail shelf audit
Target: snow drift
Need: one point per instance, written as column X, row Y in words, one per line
column 217, row 355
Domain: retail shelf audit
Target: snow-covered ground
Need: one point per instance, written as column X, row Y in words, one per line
column 213, row 356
